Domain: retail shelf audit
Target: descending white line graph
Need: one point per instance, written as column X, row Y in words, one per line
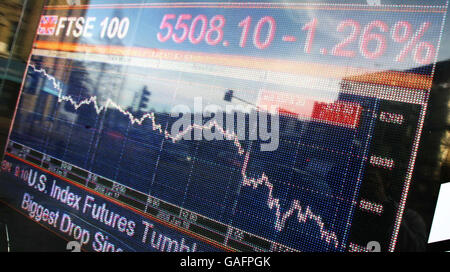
column 303, row 214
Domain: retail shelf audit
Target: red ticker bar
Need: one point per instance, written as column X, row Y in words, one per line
column 338, row 113
column 391, row 78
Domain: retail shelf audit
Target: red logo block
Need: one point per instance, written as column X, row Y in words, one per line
column 47, row 25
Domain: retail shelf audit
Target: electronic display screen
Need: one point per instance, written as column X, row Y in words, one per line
column 182, row 126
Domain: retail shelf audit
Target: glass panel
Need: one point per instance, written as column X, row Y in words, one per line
column 212, row 125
